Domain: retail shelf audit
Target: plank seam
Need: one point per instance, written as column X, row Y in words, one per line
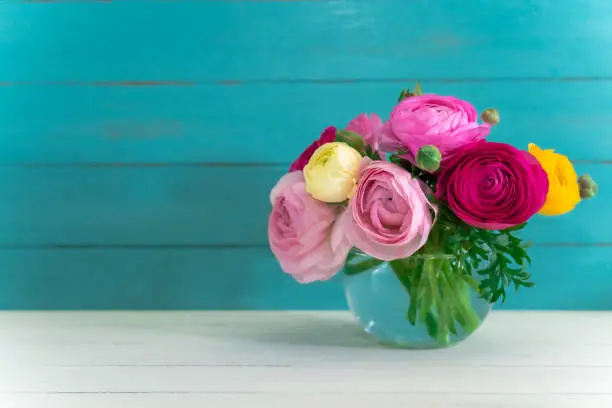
column 173, row 1
column 197, row 164
column 228, row 246
column 237, row 392
column 298, row 81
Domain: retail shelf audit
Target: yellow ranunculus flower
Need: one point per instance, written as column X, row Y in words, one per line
column 331, row 174
column 563, row 189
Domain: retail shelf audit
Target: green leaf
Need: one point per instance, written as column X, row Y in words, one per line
column 481, row 252
column 427, row 301
column 418, row 91
column 354, row 268
column 404, row 94
column 395, row 159
column 371, row 153
column 515, row 228
column 414, row 289
column 513, row 271
column 431, row 323
column 450, row 322
column 518, row 254
column 351, row 138
column 523, row 274
column 407, row 93
column 412, row 311
column 403, row 275
column 502, row 240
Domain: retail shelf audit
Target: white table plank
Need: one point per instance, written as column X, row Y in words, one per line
column 268, row 359
column 354, row 400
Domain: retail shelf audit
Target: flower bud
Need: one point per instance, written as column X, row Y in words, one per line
column 332, row 172
column 490, row 116
column 428, row 158
column 588, row 187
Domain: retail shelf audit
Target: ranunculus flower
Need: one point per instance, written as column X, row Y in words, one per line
column 492, row 185
column 443, row 121
column 328, row 136
column 370, row 129
column 299, row 232
column 389, row 217
column 331, row 173
column 563, row 187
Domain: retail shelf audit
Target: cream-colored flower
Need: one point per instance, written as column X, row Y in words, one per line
column 331, row 174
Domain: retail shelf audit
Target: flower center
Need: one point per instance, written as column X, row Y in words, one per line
column 325, row 156
column 387, row 209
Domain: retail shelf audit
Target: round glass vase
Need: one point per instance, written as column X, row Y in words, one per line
column 422, row 302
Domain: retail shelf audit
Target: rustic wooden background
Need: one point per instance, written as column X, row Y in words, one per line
column 139, row 139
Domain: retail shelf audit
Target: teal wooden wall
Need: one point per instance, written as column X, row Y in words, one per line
column 139, row 139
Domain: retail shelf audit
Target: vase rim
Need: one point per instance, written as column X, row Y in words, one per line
column 433, row 255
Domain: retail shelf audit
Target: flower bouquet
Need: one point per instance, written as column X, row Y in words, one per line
column 421, row 213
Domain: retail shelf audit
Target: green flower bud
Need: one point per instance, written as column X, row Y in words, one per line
column 428, row 158
column 588, row 187
column 490, row 116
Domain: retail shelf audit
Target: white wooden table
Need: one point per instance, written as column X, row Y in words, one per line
column 295, row 360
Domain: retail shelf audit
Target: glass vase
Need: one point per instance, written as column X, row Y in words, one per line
column 422, row 302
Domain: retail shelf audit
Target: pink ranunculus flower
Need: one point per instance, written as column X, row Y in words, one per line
column 443, row 121
column 370, row 129
column 300, row 229
column 492, row 185
column 328, row 136
column 389, row 217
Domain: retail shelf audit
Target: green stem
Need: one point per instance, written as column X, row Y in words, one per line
column 439, row 296
column 457, row 294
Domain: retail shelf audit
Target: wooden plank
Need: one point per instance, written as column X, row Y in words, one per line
column 302, row 400
column 127, row 206
column 549, row 380
column 230, row 40
column 270, row 122
column 326, row 340
column 202, row 278
column 218, row 206
column 287, row 358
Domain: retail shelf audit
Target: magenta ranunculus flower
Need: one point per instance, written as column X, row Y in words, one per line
column 389, row 217
column 370, row 129
column 328, row 136
column 442, row 121
column 492, row 185
column 300, row 229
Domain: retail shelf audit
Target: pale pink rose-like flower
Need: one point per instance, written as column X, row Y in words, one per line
column 442, row 121
column 300, row 229
column 389, row 217
column 370, row 129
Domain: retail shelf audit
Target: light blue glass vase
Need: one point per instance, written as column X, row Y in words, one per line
column 446, row 310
